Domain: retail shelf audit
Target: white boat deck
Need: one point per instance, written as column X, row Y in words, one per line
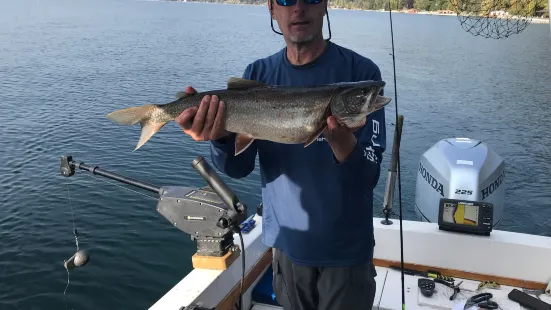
column 389, row 294
column 504, row 257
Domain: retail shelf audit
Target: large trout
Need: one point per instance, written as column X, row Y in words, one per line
column 284, row 114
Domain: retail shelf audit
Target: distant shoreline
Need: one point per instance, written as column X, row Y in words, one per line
column 535, row 20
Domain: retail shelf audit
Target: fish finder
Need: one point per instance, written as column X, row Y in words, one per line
column 474, row 217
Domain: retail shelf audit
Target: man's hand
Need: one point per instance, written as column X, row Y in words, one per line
column 340, row 138
column 206, row 121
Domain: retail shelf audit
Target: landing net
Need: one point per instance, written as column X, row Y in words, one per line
column 495, row 19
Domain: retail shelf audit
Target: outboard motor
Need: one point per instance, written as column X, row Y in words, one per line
column 459, row 168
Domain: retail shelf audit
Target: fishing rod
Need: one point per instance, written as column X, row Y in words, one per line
column 394, row 170
column 210, row 214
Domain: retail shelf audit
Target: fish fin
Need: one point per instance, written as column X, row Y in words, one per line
column 320, row 130
column 148, row 130
column 379, row 103
column 239, row 83
column 138, row 115
column 242, row 142
column 132, row 116
column 181, row 94
column 314, row 136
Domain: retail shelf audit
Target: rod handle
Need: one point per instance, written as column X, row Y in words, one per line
column 216, row 183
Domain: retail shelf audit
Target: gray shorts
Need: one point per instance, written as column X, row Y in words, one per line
column 322, row 288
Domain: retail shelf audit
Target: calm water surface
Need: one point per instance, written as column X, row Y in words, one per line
column 65, row 64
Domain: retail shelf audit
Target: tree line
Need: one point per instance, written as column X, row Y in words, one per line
column 478, row 7
column 513, row 7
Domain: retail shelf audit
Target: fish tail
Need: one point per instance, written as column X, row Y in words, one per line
column 143, row 115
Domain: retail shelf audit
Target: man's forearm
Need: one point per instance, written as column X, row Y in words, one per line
column 222, row 155
column 343, row 147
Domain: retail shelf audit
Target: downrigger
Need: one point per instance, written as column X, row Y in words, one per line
column 209, row 214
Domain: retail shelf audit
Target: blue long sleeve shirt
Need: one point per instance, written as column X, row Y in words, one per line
column 315, row 209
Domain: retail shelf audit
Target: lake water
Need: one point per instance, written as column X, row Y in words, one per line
column 65, row 64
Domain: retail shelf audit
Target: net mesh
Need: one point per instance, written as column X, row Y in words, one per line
column 494, row 19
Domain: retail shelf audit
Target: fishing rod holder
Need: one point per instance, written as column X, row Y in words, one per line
column 393, row 171
column 210, row 214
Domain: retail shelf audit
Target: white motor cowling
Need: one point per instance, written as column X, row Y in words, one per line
column 459, row 168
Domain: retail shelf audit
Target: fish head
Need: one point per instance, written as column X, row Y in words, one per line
column 353, row 102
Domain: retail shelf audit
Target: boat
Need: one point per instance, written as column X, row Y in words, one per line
column 460, row 190
column 476, row 261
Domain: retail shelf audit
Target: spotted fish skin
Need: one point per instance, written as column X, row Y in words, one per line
column 282, row 114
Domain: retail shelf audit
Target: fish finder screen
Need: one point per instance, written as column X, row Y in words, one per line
column 462, row 214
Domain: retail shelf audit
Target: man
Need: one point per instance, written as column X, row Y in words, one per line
column 318, row 201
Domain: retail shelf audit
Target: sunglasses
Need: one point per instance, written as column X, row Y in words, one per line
column 293, row 2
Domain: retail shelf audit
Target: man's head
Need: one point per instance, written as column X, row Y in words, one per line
column 300, row 21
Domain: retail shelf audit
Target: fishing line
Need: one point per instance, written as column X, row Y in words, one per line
column 64, row 296
column 80, row 258
column 72, row 216
column 242, row 272
column 76, row 240
column 398, row 159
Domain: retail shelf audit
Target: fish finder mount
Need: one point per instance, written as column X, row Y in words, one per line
column 210, row 214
